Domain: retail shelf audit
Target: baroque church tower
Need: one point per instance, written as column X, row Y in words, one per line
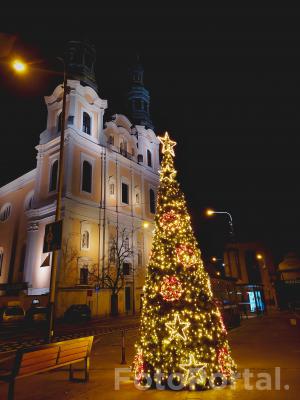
column 110, row 182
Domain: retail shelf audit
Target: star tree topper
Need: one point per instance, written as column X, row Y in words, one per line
column 167, row 143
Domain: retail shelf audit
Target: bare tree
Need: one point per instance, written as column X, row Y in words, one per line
column 69, row 254
column 113, row 276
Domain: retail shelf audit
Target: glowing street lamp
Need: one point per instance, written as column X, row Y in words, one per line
column 259, row 256
column 19, row 66
column 209, row 212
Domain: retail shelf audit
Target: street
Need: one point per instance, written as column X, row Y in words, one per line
column 260, row 345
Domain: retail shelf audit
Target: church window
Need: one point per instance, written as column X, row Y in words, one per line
column 5, row 212
column 28, row 201
column 152, row 201
column 53, row 176
column 85, row 240
column 86, row 123
column 84, row 275
column 86, row 182
column 138, row 104
column 1, row 259
column 149, row 158
column 125, row 193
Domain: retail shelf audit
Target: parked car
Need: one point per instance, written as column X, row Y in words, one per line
column 12, row 315
column 37, row 314
column 77, row 313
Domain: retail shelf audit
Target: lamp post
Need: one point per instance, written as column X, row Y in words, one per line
column 211, row 212
column 20, row 67
column 52, row 293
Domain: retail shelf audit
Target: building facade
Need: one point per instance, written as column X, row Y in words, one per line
column 252, row 266
column 109, row 191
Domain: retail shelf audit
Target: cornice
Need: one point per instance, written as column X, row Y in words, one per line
column 18, row 183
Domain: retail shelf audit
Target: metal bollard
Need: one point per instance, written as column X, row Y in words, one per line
column 123, row 361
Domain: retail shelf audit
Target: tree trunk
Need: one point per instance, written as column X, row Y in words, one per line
column 114, row 304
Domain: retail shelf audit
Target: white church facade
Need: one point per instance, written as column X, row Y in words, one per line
column 110, row 184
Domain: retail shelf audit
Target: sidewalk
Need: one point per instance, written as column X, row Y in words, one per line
column 260, row 344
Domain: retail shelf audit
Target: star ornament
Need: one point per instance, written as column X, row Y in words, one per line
column 193, row 372
column 167, row 143
column 178, row 328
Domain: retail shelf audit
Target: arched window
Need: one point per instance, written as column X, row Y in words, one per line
column 53, row 176
column 1, row 259
column 59, row 122
column 149, row 158
column 86, row 183
column 5, row 212
column 152, row 201
column 28, row 201
column 86, row 123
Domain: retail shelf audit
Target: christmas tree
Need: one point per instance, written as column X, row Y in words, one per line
column 182, row 338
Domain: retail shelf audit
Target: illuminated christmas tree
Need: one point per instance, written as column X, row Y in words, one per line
column 182, row 338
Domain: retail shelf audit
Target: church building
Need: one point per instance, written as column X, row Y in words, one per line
column 108, row 202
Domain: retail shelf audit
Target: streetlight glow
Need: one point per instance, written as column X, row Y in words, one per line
column 209, row 212
column 19, row 66
column 259, row 256
column 145, row 224
column 214, row 259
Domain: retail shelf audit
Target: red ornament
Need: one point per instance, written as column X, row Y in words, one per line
column 186, row 255
column 171, row 288
column 168, row 217
column 223, row 359
column 139, row 366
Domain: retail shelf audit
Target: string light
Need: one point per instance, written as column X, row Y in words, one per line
column 179, row 315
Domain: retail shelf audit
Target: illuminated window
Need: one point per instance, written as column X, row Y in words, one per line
column 86, row 184
column 86, row 123
column 53, row 176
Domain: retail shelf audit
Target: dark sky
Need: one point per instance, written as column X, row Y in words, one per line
column 224, row 82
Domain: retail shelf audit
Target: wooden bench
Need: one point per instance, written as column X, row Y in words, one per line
column 47, row 357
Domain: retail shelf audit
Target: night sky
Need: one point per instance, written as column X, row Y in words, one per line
column 224, row 82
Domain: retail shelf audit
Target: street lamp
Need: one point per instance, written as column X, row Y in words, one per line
column 211, row 212
column 20, row 67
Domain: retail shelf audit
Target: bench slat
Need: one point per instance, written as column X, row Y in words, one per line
column 71, row 357
column 64, row 352
column 38, row 359
column 37, row 367
column 35, row 353
column 75, row 345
